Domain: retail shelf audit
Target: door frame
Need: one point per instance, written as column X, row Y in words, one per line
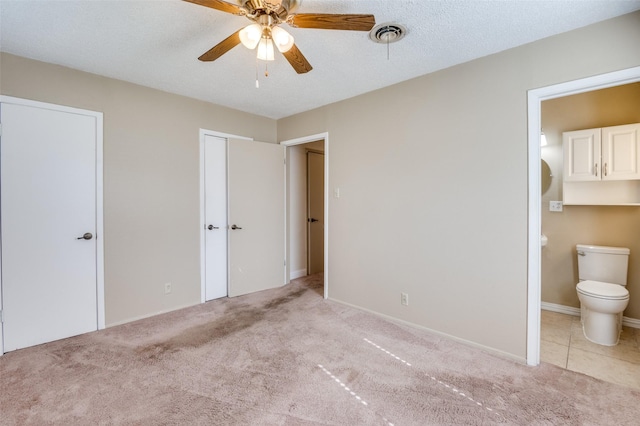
column 227, row 136
column 98, row 116
column 534, row 100
column 299, row 141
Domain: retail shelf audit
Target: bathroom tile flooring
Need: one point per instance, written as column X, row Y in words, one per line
column 562, row 343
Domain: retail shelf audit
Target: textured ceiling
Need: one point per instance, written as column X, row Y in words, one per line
column 156, row 43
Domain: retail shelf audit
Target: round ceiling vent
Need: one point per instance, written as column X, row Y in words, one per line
column 387, row 33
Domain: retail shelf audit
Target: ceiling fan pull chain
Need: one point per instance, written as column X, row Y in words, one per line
column 257, row 82
column 266, row 69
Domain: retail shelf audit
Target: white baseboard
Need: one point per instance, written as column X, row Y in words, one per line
column 128, row 320
column 488, row 349
column 297, row 274
column 561, row 309
column 569, row 310
column 631, row 322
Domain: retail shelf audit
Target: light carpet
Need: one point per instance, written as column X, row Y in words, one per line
column 289, row 357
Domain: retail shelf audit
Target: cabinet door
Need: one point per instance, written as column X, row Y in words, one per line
column 620, row 148
column 582, row 155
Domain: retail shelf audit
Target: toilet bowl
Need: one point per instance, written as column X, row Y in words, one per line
column 601, row 310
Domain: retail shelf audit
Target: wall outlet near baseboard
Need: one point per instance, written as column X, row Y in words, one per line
column 555, row 206
column 404, row 299
column 167, row 288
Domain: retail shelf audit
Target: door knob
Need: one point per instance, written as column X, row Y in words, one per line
column 312, row 220
column 211, row 227
column 86, row 236
column 235, row 227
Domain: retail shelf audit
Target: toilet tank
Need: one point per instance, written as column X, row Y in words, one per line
column 600, row 263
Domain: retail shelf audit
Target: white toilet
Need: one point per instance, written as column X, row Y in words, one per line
column 602, row 272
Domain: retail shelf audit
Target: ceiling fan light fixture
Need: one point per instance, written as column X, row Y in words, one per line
column 250, row 35
column 265, row 49
column 282, row 39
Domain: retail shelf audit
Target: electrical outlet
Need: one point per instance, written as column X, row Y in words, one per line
column 404, row 299
column 167, row 288
column 555, row 206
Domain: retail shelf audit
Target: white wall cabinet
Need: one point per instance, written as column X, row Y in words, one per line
column 602, row 166
column 609, row 153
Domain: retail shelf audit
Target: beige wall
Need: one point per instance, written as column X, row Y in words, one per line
column 601, row 225
column 151, row 178
column 433, row 182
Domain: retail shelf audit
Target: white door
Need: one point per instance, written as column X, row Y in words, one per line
column 256, row 216
column 48, row 164
column 315, row 209
column 215, row 226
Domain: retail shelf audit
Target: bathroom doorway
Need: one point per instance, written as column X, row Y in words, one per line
column 536, row 98
column 562, row 341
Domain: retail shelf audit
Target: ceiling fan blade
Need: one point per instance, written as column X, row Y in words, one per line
column 221, row 48
column 219, row 5
column 329, row 21
column 297, row 60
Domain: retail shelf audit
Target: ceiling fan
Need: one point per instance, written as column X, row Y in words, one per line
column 265, row 31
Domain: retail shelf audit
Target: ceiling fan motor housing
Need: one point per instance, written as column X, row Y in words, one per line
column 278, row 9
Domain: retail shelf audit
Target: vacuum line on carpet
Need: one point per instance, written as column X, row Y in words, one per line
column 387, row 352
column 448, row 386
column 352, row 393
column 362, row 401
column 462, row 394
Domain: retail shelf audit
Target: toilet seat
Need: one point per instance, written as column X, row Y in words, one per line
column 602, row 290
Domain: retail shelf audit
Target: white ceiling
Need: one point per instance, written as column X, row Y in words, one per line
column 156, row 43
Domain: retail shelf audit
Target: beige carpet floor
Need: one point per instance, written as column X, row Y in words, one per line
column 288, row 357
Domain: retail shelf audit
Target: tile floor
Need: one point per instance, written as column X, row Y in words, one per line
column 562, row 343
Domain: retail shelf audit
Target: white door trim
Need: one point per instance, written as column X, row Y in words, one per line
column 203, row 133
column 535, row 97
column 298, row 141
column 99, row 199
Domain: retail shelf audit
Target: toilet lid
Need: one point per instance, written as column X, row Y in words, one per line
column 603, row 290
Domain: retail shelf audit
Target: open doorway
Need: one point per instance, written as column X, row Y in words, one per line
column 535, row 99
column 597, row 220
column 315, row 207
column 307, row 207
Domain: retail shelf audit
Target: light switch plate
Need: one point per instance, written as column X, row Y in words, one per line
column 555, row 206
